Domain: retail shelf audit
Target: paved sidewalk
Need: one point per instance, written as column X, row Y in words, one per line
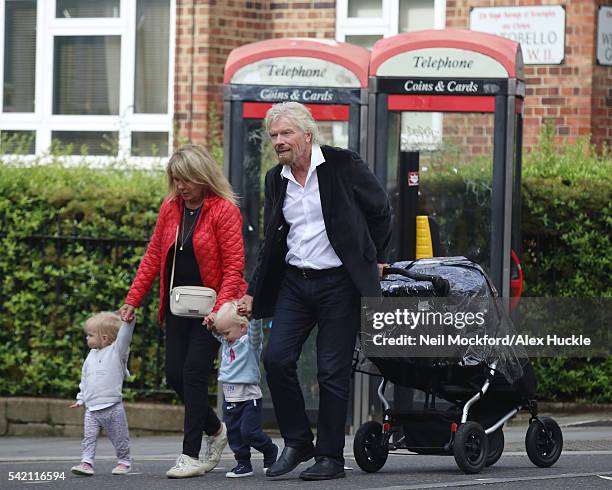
column 586, row 462
column 586, row 419
column 581, row 432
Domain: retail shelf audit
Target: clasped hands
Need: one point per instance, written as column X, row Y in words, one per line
column 244, row 308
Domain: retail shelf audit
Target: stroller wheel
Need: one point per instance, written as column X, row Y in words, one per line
column 368, row 448
column 544, row 442
column 496, row 447
column 470, row 447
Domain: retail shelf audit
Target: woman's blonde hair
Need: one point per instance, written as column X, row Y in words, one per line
column 229, row 311
column 104, row 323
column 192, row 163
column 298, row 113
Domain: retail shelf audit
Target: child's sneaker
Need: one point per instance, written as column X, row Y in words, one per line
column 121, row 469
column 185, row 467
column 270, row 457
column 84, row 469
column 240, row 471
column 215, row 446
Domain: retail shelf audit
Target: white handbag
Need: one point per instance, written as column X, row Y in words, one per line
column 190, row 301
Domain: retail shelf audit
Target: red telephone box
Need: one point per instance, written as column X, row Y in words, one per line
column 445, row 136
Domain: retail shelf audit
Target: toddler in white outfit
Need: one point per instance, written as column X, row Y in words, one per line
column 101, row 390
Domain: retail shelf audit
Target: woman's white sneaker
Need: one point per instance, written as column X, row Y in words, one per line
column 186, row 467
column 215, row 446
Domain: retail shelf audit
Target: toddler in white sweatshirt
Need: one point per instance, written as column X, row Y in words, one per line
column 101, row 390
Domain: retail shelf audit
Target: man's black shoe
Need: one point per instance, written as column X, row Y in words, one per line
column 324, row 469
column 289, row 459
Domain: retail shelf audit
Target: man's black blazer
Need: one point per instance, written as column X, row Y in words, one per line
column 357, row 217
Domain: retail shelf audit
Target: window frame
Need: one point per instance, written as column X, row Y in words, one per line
column 386, row 25
column 93, row 20
column 350, row 26
column 43, row 121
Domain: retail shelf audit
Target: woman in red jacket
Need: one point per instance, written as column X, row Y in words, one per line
column 210, row 252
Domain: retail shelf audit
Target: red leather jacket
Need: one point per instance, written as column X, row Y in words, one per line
column 218, row 247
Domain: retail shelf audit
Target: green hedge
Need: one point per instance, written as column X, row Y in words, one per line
column 72, row 237
column 567, row 252
column 567, row 220
column 55, row 273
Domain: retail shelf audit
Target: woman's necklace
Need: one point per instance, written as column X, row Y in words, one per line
column 194, row 213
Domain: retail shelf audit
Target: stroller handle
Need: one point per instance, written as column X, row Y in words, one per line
column 440, row 284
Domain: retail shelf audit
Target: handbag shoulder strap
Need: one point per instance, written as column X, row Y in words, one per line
column 174, row 258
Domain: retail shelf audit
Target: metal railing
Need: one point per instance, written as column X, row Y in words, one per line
column 54, row 251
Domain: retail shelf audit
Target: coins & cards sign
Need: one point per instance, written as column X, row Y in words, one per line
column 432, row 86
column 539, row 30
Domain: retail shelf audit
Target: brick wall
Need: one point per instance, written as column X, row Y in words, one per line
column 207, row 30
column 299, row 18
column 575, row 94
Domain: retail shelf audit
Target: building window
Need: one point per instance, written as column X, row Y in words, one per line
column 415, row 15
column 92, row 75
column 86, row 74
column 149, row 144
column 361, row 21
column 19, row 56
column 365, row 8
column 87, row 142
column 152, row 41
column 363, row 40
column 78, row 8
column 17, row 142
column 387, row 18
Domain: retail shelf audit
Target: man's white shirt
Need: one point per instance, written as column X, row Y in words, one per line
column 308, row 243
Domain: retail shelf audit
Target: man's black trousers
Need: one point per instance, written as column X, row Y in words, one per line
column 331, row 301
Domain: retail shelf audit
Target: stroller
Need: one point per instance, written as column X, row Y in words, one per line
column 481, row 388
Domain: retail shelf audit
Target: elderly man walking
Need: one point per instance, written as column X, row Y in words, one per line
column 327, row 228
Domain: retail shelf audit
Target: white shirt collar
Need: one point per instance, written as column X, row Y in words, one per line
column 316, row 156
column 316, row 159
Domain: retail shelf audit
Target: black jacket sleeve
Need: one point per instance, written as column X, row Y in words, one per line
column 268, row 203
column 375, row 206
